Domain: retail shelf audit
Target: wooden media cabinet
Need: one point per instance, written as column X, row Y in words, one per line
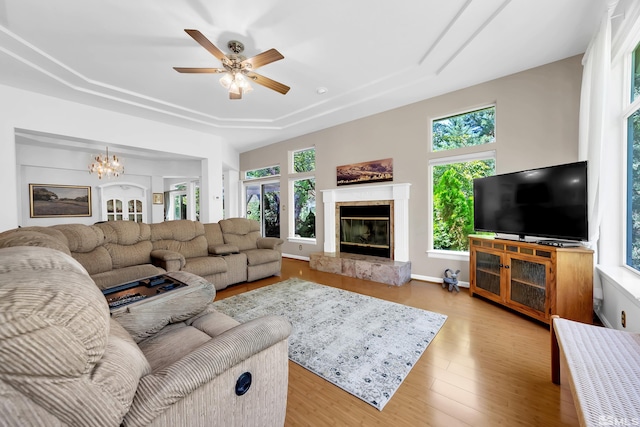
column 536, row 280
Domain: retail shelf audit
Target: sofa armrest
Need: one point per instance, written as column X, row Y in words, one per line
column 169, row 260
column 269, row 243
column 158, row 391
column 224, row 249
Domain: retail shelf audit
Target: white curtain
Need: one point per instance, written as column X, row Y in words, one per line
column 594, row 99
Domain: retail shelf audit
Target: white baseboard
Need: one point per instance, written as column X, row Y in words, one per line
column 436, row 280
column 301, row 258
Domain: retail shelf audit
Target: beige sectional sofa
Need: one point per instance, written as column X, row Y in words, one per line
column 68, row 359
column 171, row 360
column 224, row 253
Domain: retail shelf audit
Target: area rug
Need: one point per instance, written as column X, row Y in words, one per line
column 364, row 345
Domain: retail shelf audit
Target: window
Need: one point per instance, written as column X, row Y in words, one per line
column 263, row 205
column 303, row 193
column 263, row 172
column 464, row 130
column 633, row 164
column 452, row 176
column 183, row 201
column 304, row 160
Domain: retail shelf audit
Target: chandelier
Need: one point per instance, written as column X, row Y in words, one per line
column 107, row 166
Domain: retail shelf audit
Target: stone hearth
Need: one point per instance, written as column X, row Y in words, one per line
column 377, row 269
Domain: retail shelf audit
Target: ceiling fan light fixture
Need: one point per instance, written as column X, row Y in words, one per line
column 237, row 70
column 235, row 83
column 226, row 80
column 235, row 89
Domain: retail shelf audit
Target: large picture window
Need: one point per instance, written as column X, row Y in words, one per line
column 452, row 176
column 633, row 164
column 303, row 191
column 453, row 199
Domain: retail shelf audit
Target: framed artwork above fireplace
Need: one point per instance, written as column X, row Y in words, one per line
column 365, row 172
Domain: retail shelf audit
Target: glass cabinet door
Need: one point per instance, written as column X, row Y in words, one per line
column 527, row 284
column 114, row 210
column 488, row 267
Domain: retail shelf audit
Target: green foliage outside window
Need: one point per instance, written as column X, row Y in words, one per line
column 304, row 160
column 635, row 75
column 263, row 172
column 453, row 182
column 453, row 202
column 304, row 194
column 304, row 197
column 464, row 130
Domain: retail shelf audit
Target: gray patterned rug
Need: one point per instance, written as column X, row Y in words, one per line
column 364, row 345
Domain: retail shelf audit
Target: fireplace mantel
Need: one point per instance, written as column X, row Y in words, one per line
column 399, row 193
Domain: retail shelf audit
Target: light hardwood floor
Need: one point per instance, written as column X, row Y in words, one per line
column 486, row 367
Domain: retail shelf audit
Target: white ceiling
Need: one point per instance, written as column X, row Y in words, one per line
column 371, row 55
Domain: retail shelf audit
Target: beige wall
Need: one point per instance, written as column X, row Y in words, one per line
column 536, row 125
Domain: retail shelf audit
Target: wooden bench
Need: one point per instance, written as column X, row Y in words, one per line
column 603, row 369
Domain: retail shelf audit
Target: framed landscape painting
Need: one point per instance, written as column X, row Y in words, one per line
column 50, row 200
column 365, row 172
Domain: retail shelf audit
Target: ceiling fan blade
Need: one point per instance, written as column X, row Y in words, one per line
column 205, row 43
column 235, row 95
column 268, row 83
column 264, row 58
column 199, row 70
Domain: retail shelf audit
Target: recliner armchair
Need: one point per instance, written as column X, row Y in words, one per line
column 64, row 360
column 264, row 254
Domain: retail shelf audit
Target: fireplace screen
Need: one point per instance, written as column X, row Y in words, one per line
column 365, row 234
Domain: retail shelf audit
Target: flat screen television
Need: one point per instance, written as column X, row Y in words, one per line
column 545, row 202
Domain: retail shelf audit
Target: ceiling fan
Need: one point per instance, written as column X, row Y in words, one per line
column 238, row 69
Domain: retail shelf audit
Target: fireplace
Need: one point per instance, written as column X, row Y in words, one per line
column 366, row 218
column 365, row 229
column 394, row 196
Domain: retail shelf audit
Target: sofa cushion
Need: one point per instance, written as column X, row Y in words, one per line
column 240, row 232
column 183, row 236
column 205, row 266
column 213, row 233
column 81, row 238
column 212, row 322
column 51, row 313
column 127, row 242
column 130, row 255
column 121, row 367
column 24, row 237
column 262, row 256
column 125, row 232
column 172, row 344
column 97, row 261
column 54, row 317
